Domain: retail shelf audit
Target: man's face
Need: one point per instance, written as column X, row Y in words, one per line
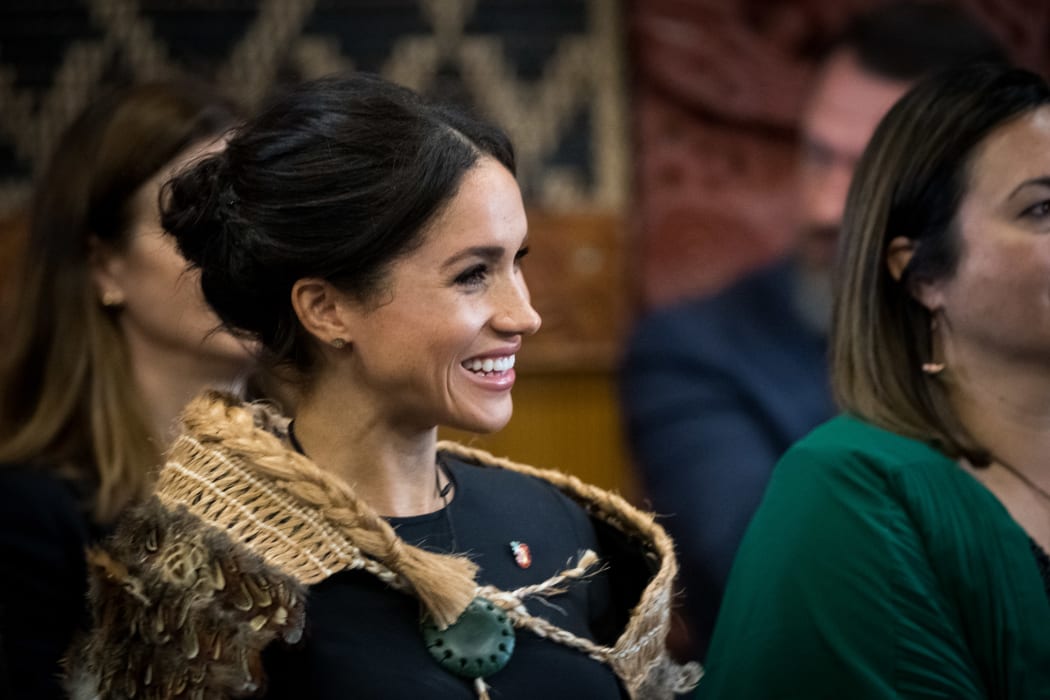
column 841, row 116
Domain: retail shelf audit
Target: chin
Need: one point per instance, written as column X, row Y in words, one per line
column 482, row 425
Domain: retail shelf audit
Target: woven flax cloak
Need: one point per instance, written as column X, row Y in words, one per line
column 215, row 566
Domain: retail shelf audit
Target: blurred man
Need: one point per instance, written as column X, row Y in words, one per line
column 715, row 390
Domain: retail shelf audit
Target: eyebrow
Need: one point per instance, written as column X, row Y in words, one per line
column 1034, row 182
column 488, row 253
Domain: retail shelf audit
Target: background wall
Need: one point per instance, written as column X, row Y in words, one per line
column 549, row 71
column 718, row 92
column 655, row 139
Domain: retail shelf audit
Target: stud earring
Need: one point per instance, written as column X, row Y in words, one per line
column 933, row 368
column 111, row 299
column 338, row 343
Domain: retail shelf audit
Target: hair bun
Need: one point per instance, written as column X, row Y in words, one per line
column 197, row 206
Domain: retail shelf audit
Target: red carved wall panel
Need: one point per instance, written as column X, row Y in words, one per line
column 719, row 86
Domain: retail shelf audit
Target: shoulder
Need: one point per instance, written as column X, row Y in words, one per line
column 752, row 309
column 849, row 476
column 165, row 576
column 507, row 488
column 42, row 497
column 38, row 483
column 851, row 450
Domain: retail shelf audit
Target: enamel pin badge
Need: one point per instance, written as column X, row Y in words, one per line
column 522, row 554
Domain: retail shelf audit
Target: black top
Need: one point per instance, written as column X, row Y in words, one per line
column 44, row 530
column 363, row 638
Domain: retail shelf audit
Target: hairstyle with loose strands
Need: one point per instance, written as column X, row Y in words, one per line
column 335, row 179
column 910, row 182
column 67, row 395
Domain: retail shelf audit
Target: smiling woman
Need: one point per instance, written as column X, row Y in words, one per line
column 373, row 244
column 900, row 549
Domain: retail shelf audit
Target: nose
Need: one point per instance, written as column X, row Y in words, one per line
column 515, row 314
column 826, row 190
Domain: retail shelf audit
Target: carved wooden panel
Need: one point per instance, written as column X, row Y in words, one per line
column 576, row 271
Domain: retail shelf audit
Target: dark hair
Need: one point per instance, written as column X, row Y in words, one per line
column 335, row 180
column 908, row 40
column 66, row 393
column 910, row 182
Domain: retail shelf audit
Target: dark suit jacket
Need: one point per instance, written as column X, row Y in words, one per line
column 44, row 530
column 714, row 391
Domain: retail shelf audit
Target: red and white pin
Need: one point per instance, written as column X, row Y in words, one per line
column 522, row 554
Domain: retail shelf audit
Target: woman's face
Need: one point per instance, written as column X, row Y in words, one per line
column 998, row 301
column 437, row 346
column 162, row 309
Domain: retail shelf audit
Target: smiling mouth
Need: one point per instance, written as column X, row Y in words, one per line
column 490, row 365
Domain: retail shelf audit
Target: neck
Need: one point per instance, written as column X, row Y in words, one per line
column 1006, row 407
column 1007, row 411
column 392, row 468
column 168, row 380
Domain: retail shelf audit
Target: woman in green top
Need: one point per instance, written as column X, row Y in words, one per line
column 900, row 548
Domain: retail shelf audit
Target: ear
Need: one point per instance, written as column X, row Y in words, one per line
column 323, row 310
column 107, row 272
column 898, row 255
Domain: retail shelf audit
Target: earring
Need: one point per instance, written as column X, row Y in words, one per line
column 111, row 299
column 933, row 368
column 338, row 343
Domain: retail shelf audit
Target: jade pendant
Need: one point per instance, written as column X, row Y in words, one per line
column 476, row 645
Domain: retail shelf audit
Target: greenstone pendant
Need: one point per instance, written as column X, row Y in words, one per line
column 478, row 644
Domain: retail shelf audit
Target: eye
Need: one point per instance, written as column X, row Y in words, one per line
column 520, row 255
column 472, row 276
column 1040, row 210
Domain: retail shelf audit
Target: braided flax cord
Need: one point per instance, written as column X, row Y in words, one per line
column 233, row 469
column 240, row 477
column 639, row 653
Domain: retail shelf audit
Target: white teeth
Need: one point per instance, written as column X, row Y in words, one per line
column 498, row 364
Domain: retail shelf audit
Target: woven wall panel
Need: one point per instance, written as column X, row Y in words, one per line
column 548, row 71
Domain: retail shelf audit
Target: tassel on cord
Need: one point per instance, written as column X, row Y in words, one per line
column 481, row 689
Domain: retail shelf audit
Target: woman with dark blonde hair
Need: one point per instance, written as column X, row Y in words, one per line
column 110, row 338
column 900, row 550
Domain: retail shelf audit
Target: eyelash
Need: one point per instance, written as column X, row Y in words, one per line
column 1040, row 210
column 475, row 275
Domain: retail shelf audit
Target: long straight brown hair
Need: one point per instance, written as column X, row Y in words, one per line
column 68, row 400
column 910, row 182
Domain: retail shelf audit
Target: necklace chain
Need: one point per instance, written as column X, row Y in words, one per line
column 1025, row 479
column 442, row 491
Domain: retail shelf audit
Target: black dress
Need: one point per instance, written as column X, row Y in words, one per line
column 363, row 638
column 44, row 530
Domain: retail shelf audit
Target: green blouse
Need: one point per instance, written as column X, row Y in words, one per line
column 877, row 568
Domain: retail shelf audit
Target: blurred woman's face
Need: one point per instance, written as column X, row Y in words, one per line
column 998, row 301
column 162, row 309
column 438, row 347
